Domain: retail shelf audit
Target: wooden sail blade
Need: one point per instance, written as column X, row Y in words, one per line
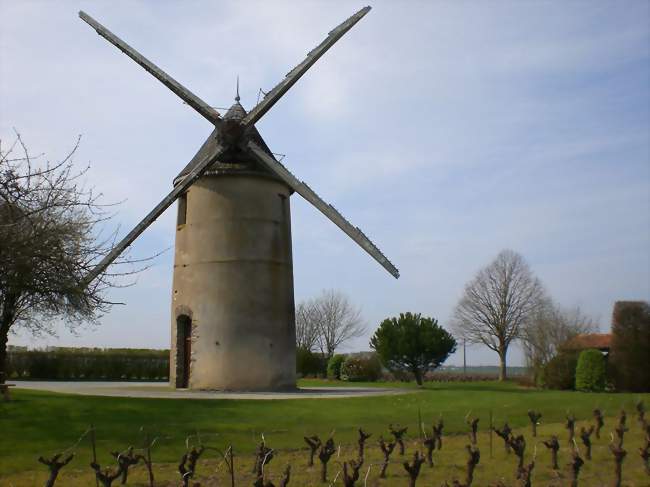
column 186, row 95
column 326, row 209
column 296, row 73
column 199, row 168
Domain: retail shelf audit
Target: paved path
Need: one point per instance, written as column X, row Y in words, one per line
column 162, row 390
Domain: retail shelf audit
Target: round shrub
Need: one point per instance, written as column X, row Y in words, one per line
column 560, row 372
column 591, row 371
column 334, row 367
column 357, row 368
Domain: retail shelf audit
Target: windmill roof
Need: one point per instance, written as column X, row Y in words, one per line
column 225, row 162
column 235, row 112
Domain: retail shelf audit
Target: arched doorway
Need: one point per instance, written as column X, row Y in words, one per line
column 183, row 351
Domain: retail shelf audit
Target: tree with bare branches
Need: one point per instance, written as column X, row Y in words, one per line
column 549, row 328
column 336, row 319
column 497, row 304
column 307, row 329
column 52, row 232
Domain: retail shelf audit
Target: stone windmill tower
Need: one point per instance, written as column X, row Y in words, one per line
column 233, row 323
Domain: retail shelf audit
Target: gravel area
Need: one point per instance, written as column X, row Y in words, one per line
column 163, row 391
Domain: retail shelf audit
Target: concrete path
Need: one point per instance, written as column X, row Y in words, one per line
column 162, row 391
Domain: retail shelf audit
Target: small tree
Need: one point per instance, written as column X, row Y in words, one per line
column 590, row 371
column 412, row 343
column 327, row 321
column 497, row 304
column 338, row 321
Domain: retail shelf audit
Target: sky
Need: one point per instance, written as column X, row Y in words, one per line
column 447, row 131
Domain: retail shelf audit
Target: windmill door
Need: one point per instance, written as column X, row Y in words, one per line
column 184, row 351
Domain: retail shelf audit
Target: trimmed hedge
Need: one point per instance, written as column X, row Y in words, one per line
column 88, row 364
column 591, row 372
column 334, row 366
column 357, row 368
column 628, row 358
column 310, row 364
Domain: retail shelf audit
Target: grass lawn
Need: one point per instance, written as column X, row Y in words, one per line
column 42, row 423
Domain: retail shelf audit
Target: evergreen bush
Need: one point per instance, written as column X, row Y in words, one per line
column 591, row 371
column 334, row 367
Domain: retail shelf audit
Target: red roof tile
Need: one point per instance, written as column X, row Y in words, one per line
column 599, row 341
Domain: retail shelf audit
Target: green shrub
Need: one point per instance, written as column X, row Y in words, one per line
column 560, row 372
column 361, row 367
column 591, row 371
column 309, row 364
column 334, row 367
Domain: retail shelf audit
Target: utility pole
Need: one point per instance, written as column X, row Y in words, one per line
column 464, row 357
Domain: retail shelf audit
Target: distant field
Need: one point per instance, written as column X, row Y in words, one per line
column 39, row 423
column 483, row 370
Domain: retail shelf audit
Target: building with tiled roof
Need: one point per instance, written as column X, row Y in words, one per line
column 584, row 341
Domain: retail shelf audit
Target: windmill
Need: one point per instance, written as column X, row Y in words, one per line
column 233, row 320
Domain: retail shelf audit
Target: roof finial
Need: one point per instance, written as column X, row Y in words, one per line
column 237, row 97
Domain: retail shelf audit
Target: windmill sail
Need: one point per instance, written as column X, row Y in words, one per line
column 210, row 157
column 326, row 209
column 215, row 145
column 296, row 73
column 186, row 95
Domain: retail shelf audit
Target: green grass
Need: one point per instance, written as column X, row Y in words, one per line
column 42, row 423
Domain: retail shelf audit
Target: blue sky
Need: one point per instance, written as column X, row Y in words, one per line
column 447, row 131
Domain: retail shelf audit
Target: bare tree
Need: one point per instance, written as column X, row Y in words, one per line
column 497, row 303
column 549, row 328
column 307, row 331
column 52, row 232
column 337, row 320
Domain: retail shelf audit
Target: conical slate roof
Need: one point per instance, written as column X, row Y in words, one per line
column 234, row 161
column 235, row 112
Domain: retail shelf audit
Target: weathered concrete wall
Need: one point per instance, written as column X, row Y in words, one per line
column 233, row 276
